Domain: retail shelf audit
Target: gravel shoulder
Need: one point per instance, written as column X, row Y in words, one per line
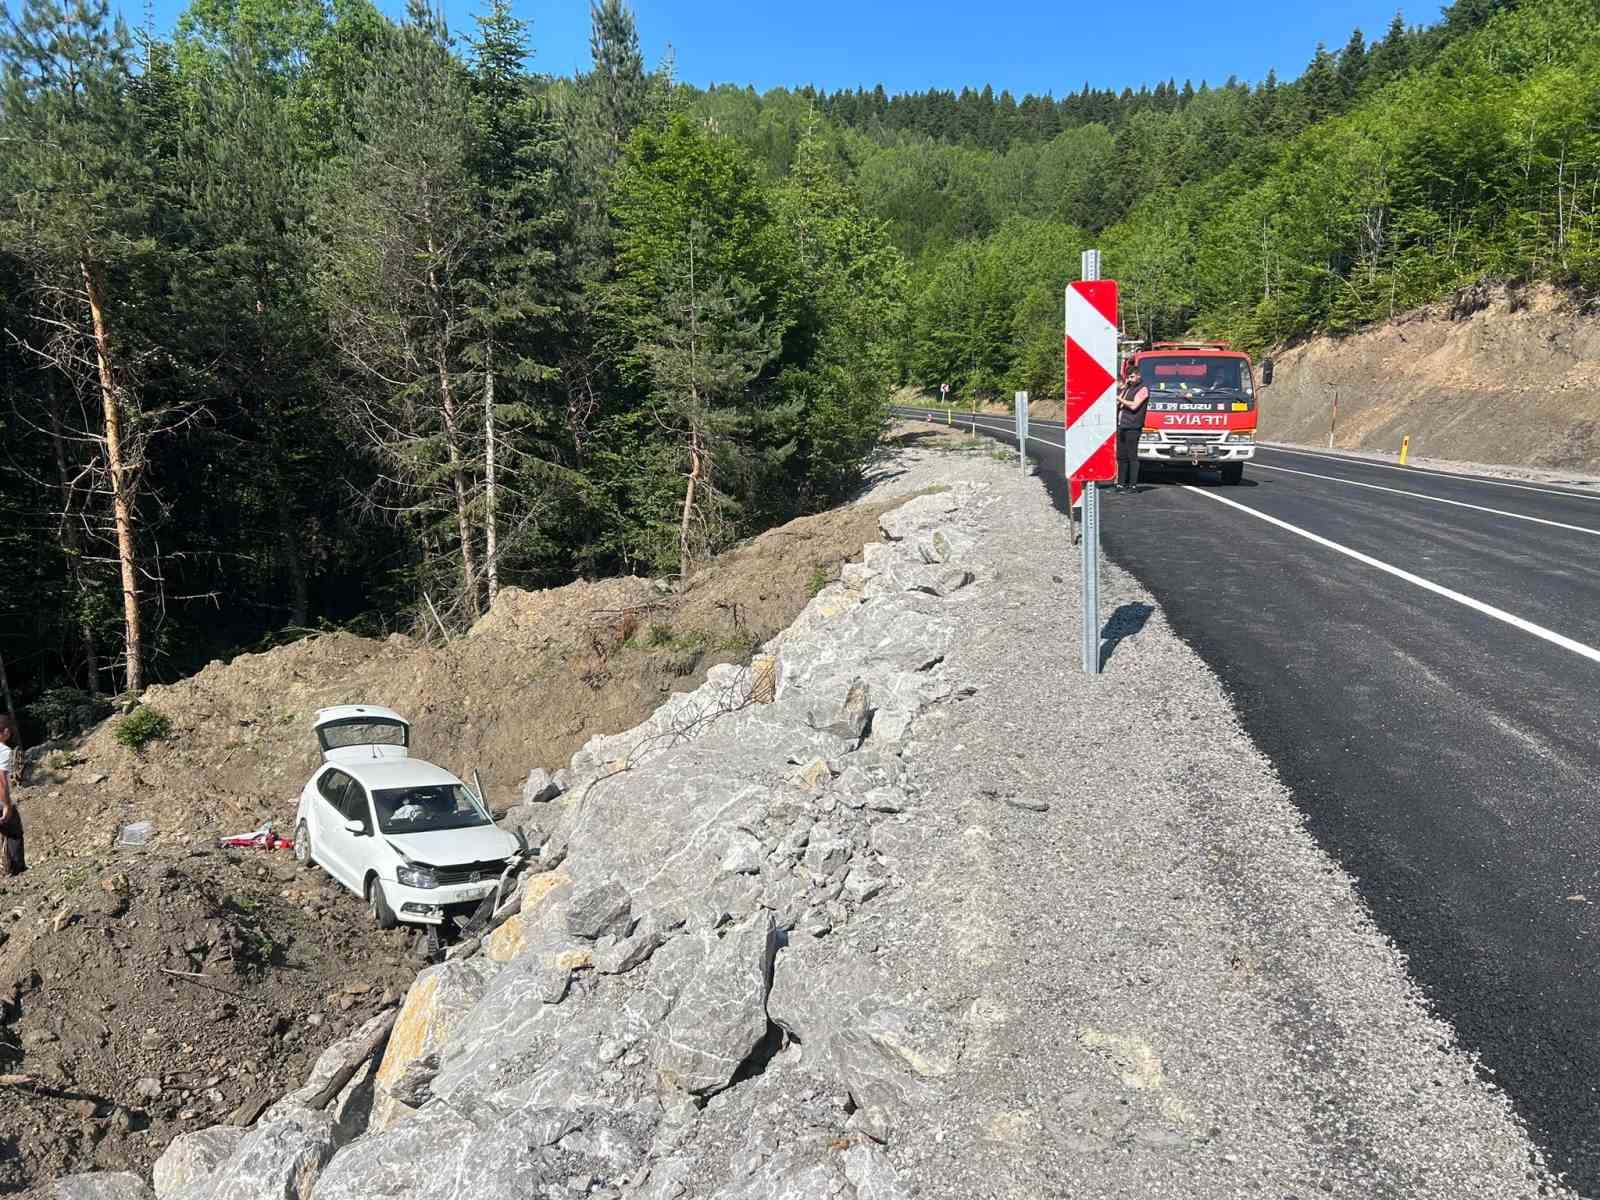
column 1165, row 986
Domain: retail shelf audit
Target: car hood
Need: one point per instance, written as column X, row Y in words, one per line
column 449, row 847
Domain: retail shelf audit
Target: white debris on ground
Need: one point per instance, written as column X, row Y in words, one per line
column 906, row 907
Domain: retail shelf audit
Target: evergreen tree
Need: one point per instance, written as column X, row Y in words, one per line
column 1321, row 94
column 80, row 224
column 1352, row 65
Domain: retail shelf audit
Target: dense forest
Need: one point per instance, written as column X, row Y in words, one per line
column 1389, row 173
column 315, row 318
column 311, row 317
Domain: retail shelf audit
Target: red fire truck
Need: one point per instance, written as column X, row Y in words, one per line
column 1202, row 409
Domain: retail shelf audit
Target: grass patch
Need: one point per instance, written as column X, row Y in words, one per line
column 819, row 580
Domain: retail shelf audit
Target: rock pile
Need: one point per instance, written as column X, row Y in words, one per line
column 683, row 999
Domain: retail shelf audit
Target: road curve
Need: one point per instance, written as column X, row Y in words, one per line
column 1419, row 654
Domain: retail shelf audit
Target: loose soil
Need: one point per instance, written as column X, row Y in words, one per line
column 151, row 991
column 1495, row 375
column 149, row 994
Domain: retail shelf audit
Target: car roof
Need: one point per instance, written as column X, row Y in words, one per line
column 395, row 772
column 353, row 712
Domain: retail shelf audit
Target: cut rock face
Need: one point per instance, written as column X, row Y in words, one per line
column 721, row 1014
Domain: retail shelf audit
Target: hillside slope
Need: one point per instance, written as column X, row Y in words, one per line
column 1493, row 376
column 534, row 679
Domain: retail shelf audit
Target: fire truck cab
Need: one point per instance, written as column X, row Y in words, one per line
column 1202, row 410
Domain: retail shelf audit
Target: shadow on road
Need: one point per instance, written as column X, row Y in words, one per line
column 1127, row 620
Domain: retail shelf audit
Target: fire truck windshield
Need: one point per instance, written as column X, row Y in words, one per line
column 1188, row 374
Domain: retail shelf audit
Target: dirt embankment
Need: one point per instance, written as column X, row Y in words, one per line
column 1496, row 375
column 529, row 684
column 147, row 992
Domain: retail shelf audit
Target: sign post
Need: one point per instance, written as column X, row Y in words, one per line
column 944, row 398
column 1091, row 372
column 1022, row 430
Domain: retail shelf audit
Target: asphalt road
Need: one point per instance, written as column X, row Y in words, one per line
column 1419, row 654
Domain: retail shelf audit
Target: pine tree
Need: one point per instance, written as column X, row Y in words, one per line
column 401, row 226
column 80, row 223
column 705, row 348
column 1391, row 57
column 1319, row 88
column 513, row 289
column 1352, row 65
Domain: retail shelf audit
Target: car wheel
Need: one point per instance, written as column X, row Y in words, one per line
column 1232, row 473
column 302, row 846
column 378, row 905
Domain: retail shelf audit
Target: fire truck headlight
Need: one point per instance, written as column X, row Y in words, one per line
column 1245, row 438
column 1149, row 437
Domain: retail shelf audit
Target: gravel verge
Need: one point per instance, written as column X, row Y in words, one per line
column 1165, row 986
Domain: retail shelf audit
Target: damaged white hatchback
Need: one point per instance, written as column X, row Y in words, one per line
column 406, row 836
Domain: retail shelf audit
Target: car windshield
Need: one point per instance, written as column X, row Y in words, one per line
column 361, row 731
column 1187, row 374
column 427, row 808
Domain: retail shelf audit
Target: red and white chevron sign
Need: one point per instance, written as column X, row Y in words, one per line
column 1091, row 383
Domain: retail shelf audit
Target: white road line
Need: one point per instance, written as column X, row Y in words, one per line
column 1367, row 462
column 1005, row 427
column 1427, row 585
column 1378, row 487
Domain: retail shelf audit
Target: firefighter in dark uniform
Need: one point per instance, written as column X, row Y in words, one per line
column 1131, row 406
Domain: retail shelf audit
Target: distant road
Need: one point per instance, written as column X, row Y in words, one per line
column 1420, row 655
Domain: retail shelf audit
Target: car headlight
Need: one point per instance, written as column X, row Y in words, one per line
column 417, row 877
column 1246, row 438
column 1149, row 437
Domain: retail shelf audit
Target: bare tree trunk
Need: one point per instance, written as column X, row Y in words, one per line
column 121, row 481
column 72, row 544
column 684, row 559
column 293, row 561
column 452, row 437
column 491, row 548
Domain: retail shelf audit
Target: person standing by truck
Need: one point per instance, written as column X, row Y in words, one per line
column 1131, row 406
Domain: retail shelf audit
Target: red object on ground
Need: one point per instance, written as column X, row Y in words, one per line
column 257, row 839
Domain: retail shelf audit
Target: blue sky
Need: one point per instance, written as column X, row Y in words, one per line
column 1024, row 45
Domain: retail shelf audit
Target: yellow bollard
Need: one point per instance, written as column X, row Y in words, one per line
column 1405, row 449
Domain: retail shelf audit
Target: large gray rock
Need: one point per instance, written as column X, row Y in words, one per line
column 918, row 515
column 599, row 909
column 827, row 852
column 790, row 1176
column 101, row 1185
column 863, row 1033
column 540, row 787
column 944, row 545
column 721, row 1013
column 278, row 1159
column 194, row 1156
column 872, row 1174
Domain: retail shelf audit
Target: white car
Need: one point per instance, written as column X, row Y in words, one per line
column 406, row 836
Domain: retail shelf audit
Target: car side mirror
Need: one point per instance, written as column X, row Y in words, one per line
column 355, row 827
column 1266, row 371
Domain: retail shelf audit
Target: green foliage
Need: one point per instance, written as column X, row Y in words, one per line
column 68, row 711
column 141, row 727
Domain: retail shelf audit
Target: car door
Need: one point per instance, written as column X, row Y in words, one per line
column 334, row 845
column 360, row 852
